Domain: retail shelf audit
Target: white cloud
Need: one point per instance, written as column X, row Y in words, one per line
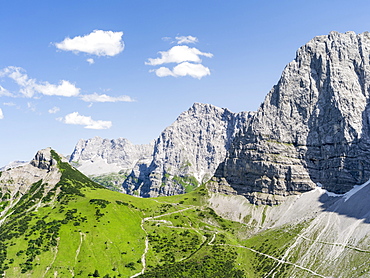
column 54, row 110
column 186, row 39
column 9, row 103
column 162, row 72
column 65, row 89
column 4, row 92
column 1, row 114
column 98, row 42
column 184, row 69
column 105, row 98
column 90, row 61
column 76, row 119
column 179, row 54
column 30, row 87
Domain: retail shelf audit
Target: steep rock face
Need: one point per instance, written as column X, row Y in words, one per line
column 187, row 152
column 313, row 126
column 98, row 156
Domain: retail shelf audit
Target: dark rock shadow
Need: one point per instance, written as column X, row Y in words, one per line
column 357, row 206
column 331, row 159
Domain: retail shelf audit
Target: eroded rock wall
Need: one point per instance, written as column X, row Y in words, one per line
column 313, row 126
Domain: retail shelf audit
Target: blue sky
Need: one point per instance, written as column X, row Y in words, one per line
column 227, row 53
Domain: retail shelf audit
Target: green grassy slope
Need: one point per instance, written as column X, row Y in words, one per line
column 80, row 229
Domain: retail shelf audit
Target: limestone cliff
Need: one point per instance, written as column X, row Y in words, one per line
column 313, row 126
column 188, row 151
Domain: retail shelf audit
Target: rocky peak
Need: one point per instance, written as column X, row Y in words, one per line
column 188, row 150
column 43, row 160
column 42, row 167
column 313, row 125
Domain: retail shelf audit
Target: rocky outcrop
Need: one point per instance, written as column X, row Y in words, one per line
column 313, row 126
column 187, row 152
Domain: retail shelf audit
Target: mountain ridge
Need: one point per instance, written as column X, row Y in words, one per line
column 311, row 128
column 184, row 155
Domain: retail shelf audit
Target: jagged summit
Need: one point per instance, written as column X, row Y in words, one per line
column 313, row 125
column 43, row 159
column 19, row 179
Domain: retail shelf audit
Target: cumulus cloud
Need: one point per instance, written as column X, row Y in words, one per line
column 65, row 89
column 186, row 39
column 54, row 110
column 184, row 69
column 188, row 60
column 179, row 54
column 1, row 114
column 105, row 98
column 76, row 119
column 98, row 42
column 30, row 87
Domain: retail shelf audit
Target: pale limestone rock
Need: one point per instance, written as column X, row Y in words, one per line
column 99, row 156
column 313, row 126
column 193, row 146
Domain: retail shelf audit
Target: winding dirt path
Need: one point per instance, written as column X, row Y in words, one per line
column 152, row 218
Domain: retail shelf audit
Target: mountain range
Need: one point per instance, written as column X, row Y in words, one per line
column 280, row 192
column 313, row 127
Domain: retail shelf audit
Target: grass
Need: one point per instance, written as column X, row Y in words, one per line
column 81, row 229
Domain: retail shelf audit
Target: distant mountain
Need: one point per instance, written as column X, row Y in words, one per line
column 99, row 156
column 13, row 164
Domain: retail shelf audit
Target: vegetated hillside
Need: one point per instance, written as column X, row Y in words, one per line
column 78, row 229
